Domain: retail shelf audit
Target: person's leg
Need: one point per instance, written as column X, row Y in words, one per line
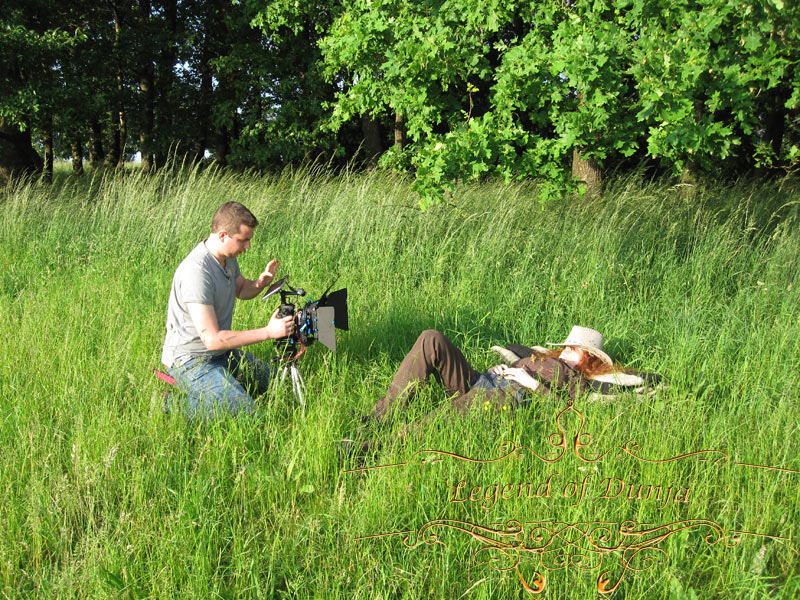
column 432, row 354
column 252, row 372
column 490, row 392
column 495, row 399
column 210, row 387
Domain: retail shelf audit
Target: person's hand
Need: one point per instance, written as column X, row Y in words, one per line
column 279, row 327
column 495, row 370
column 517, row 375
column 268, row 275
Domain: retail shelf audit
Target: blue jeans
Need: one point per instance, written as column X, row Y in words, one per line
column 212, row 385
column 491, row 382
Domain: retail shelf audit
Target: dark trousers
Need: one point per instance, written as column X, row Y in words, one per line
column 434, row 354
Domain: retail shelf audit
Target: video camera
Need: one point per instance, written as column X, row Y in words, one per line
column 317, row 320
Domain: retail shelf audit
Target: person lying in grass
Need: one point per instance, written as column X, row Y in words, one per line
column 579, row 365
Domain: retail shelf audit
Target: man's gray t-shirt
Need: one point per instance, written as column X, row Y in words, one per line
column 199, row 279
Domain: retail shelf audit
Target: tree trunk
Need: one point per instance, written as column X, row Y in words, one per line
column 146, row 81
column 372, row 139
column 96, row 154
column 690, row 165
column 165, row 81
column 200, row 142
column 123, row 133
column 775, row 120
column 115, row 144
column 146, row 134
column 48, row 151
column 17, row 156
column 400, row 139
column 226, row 121
column 118, row 126
column 223, row 97
column 587, row 170
column 221, row 146
column 76, row 145
column 688, row 183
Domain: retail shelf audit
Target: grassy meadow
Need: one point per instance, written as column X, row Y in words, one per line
column 103, row 495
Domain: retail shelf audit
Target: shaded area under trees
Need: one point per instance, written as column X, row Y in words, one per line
column 450, row 90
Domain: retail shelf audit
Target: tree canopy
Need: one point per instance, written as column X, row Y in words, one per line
column 448, row 90
column 518, row 89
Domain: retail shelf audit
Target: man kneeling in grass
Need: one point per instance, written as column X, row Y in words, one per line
column 201, row 351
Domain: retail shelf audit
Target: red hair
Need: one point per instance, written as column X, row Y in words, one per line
column 594, row 365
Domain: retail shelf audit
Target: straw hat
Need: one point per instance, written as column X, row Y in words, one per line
column 587, row 339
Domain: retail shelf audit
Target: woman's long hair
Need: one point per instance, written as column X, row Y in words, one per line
column 594, row 366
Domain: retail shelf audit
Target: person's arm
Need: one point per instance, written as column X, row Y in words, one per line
column 553, row 374
column 517, row 375
column 205, row 322
column 247, row 289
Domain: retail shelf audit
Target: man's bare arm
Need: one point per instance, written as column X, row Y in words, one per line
column 205, row 321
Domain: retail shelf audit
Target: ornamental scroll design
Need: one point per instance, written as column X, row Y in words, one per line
column 558, row 545
column 584, row 546
column 578, row 444
column 563, row 444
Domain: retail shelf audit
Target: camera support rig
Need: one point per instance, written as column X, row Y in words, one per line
column 288, row 345
column 317, row 320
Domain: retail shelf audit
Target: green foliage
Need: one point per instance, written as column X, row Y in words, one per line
column 284, row 117
column 700, row 68
column 510, row 89
column 30, row 48
column 475, row 90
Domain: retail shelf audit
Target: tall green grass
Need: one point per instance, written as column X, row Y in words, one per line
column 103, row 495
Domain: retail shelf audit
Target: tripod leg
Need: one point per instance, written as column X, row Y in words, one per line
column 301, row 385
column 298, row 385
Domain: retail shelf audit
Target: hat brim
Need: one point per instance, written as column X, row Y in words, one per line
column 593, row 351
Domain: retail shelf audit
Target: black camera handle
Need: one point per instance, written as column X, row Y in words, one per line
column 287, row 308
column 288, row 290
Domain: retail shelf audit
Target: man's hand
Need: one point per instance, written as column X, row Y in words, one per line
column 279, row 327
column 247, row 288
column 268, row 275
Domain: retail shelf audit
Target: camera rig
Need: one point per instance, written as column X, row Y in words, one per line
column 318, row 320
